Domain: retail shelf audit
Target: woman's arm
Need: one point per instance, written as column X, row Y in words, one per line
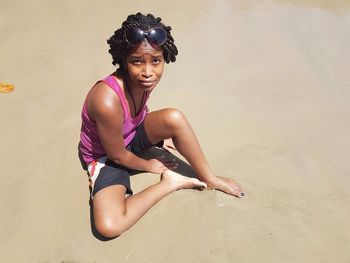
column 104, row 107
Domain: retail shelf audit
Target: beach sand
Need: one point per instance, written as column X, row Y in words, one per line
column 266, row 86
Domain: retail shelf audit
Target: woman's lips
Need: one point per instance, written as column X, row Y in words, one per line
column 147, row 83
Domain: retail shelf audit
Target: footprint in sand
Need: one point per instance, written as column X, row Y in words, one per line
column 6, row 87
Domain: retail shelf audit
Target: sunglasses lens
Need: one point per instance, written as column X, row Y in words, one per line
column 134, row 36
column 157, row 36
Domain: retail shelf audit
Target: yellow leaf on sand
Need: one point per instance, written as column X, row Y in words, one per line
column 6, row 87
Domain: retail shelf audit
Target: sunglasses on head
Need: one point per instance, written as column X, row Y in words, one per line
column 134, row 36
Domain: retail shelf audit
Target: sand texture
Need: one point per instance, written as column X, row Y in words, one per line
column 266, row 86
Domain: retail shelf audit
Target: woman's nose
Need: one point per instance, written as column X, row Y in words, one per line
column 147, row 71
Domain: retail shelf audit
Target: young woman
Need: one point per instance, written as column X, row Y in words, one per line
column 116, row 125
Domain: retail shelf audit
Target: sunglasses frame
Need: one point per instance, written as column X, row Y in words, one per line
column 145, row 35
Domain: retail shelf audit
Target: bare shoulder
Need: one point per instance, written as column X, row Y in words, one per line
column 102, row 101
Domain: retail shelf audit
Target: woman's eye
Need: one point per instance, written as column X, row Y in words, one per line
column 136, row 61
column 156, row 61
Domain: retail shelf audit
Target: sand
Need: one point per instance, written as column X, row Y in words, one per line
column 266, row 86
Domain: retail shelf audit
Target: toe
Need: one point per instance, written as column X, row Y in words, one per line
column 199, row 184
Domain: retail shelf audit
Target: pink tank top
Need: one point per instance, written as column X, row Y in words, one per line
column 90, row 146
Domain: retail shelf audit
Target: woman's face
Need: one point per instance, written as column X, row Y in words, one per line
column 145, row 66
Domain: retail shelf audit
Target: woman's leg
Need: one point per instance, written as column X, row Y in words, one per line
column 171, row 123
column 114, row 214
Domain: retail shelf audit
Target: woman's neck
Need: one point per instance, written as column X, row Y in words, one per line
column 134, row 96
column 126, row 84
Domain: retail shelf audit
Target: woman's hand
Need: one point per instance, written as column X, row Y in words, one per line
column 159, row 166
column 156, row 166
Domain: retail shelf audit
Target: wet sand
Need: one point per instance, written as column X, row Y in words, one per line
column 266, row 86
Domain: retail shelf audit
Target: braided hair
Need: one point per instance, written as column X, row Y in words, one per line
column 120, row 48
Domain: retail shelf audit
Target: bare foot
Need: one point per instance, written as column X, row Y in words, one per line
column 177, row 181
column 226, row 185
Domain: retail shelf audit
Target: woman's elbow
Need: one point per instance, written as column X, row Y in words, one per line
column 119, row 157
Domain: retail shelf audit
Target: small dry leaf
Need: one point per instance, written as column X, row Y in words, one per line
column 6, row 87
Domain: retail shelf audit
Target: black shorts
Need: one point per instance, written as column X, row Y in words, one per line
column 104, row 172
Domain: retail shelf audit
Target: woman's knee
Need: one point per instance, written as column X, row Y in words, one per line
column 109, row 227
column 174, row 118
